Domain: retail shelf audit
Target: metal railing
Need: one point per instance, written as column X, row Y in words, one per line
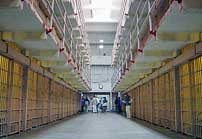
column 60, row 19
column 128, row 47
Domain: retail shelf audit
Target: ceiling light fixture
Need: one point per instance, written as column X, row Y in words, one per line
column 101, row 46
column 101, row 41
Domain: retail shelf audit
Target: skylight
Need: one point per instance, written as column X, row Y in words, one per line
column 101, row 10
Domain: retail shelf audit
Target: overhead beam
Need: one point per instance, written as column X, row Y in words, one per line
column 36, row 53
column 10, row 3
column 160, row 53
column 52, row 63
column 180, row 36
column 187, row 55
column 60, row 58
column 59, row 70
column 197, row 4
column 23, row 36
column 144, row 64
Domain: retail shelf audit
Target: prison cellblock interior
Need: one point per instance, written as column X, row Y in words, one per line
column 169, row 96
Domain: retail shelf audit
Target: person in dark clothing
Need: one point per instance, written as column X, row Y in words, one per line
column 116, row 104
column 127, row 102
column 82, row 104
column 119, row 105
column 104, row 105
column 98, row 105
column 86, row 104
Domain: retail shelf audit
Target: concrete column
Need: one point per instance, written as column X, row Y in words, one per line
column 63, row 89
column 24, row 97
column 152, row 104
column 192, row 98
column 49, row 99
column 177, row 99
column 68, row 102
column 140, row 107
column 38, row 102
column 9, row 95
column 110, row 100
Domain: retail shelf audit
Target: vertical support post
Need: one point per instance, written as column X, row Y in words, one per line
column 169, row 122
column 70, row 103
column 152, row 102
column 130, row 47
column 43, row 106
column 9, row 95
column 52, row 8
column 24, row 97
column 139, row 104
column 49, row 100
column 138, row 35
column 149, row 13
column 63, row 88
column 111, row 102
column 38, row 101
column 177, row 99
column 192, row 98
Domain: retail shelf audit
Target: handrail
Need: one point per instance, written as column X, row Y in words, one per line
column 130, row 31
column 119, row 27
column 65, row 27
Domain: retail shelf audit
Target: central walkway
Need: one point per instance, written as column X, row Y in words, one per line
column 98, row 126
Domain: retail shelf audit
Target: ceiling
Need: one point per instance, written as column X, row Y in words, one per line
column 101, row 17
column 92, row 23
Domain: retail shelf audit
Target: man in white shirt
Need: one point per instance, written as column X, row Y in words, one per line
column 94, row 104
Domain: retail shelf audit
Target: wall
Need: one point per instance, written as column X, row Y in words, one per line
column 101, row 60
column 101, row 74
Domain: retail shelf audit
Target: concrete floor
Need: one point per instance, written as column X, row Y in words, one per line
column 98, row 126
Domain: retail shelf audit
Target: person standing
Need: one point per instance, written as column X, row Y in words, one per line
column 82, row 104
column 94, row 104
column 104, row 105
column 119, row 105
column 86, row 104
column 98, row 105
column 116, row 104
column 128, row 104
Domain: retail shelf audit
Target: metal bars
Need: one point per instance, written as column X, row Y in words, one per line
column 3, row 94
column 25, row 101
column 176, row 99
column 16, row 99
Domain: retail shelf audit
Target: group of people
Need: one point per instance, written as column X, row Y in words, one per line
column 84, row 104
column 94, row 103
column 101, row 105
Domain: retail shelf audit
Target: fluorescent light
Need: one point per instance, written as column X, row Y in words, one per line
column 101, row 41
column 101, row 46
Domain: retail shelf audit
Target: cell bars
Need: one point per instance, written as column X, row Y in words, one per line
column 46, row 99
column 4, row 82
column 157, row 100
